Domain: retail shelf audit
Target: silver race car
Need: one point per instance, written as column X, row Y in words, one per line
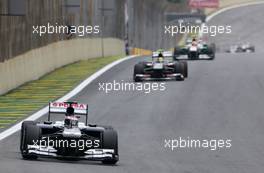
column 241, row 48
column 193, row 49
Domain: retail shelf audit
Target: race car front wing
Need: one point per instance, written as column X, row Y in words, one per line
column 90, row 154
column 166, row 76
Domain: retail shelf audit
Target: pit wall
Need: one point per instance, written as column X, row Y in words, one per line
column 38, row 62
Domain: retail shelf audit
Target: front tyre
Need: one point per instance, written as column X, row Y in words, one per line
column 30, row 134
column 110, row 141
column 138, row 69
column 184, row 68
column 179, row 69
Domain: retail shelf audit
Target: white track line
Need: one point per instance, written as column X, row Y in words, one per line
column 72, row 93
column 211, row 16
column 230, row 8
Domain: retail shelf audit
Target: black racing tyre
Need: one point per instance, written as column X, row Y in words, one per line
column 213, row 47
column 252, row 49
column 110, row 141
column 211, row 51
column 138, row 69
column 178, row 78
column 177, row 52
column 24, row 124
column 212, row 56
column 185, row 68
column 179, row 68
column 30, row 133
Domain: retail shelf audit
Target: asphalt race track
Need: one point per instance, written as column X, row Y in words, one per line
column 221, row 99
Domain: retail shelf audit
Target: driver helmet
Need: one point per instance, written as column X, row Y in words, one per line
column 70, row 111
column 70, row 119
column 194, row 41
column 160, row 57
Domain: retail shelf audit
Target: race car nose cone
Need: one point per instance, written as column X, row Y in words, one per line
column 71, row 133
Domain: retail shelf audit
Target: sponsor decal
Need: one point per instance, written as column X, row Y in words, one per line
column 204, row 3
column 65, row 105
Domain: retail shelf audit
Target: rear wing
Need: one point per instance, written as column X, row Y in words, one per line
column 60, row 108
column 165, row 54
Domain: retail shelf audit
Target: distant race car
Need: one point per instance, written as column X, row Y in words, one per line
column 162, row 66
column 69, row 138
column 194, row 49
column 241, row 48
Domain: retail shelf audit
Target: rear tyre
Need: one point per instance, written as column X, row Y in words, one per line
column 178, row 78
column 110, row 141
column 177, row 52
column 213, row 47
column 30, row 133
column 211, row 50
column 252, row 49
column 212, row 56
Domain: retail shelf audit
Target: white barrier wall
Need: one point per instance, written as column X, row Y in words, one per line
column 38, row 62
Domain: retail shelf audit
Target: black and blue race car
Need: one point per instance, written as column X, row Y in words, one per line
column 69, row 138
column 162, row 66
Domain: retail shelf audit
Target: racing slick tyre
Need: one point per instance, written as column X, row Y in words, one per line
column 252, row 48
column 30, row 133
column 177, row 52
column 211, row 51
column 110, row 141
column 138, row 69
column 179, row 68
column 185, row 68
column 24, row 124
column 212, row 56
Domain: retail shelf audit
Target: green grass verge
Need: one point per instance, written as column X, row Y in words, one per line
column 30, row 97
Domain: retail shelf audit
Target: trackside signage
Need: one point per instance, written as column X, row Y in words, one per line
column 204, row 3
